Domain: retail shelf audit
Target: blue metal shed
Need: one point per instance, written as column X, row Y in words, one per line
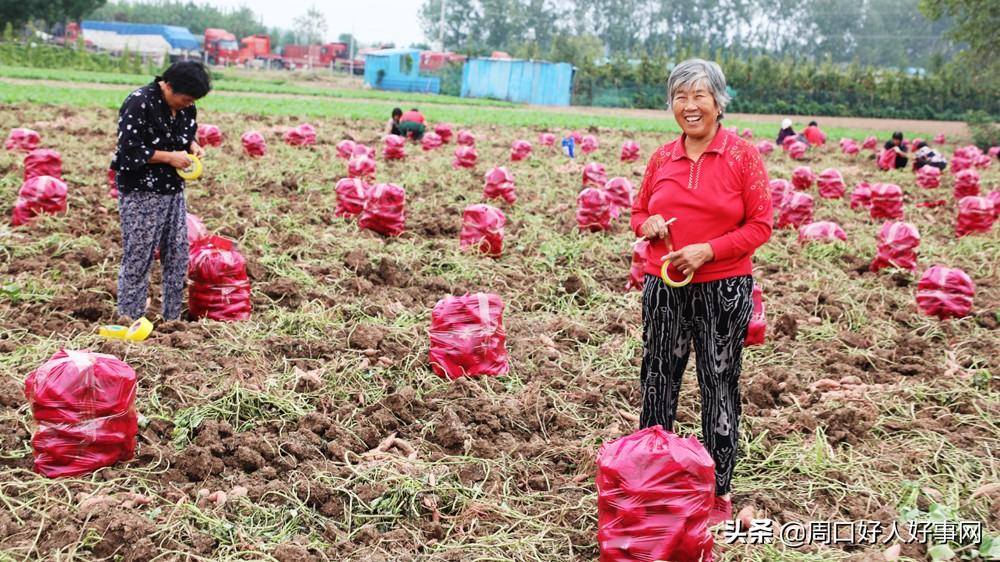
column 178, row 37
column 535, row 82
column 399, row 70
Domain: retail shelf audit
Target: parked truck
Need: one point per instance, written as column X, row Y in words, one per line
column 220, row 47
column 255, row 50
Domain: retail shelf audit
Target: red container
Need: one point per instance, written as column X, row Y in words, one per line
column 630, row 151
column 886, row 201
column 797, row 150
column 619, row 192
column 303, row 135
column 897, row 247
column 803, row 178
column 345, row 149
column 482, row 228
column 593, row 212
column 468, row 337
column 209, row 135
column 588, row 144
column 352, row 194
column 594, row 174
column 871, row 143
column 831, row 184
column 779, row 190
column 796, row 210
column 976, row 215
column 42, row 162
column 765, row 147
column 861, row 196
column 22, row 139
column 385, row 210
column 520, row 150
column 929, row 177
column 444, row 131
column 465, row 156
column 945, row 292
column 966, row 184
column 218, row 285
column 430, row 141
column 466, row 138
column 39, row 195
column 546, row 139
column 499, row 184
column 393, row 147
column 254, row 144
column 361, row 167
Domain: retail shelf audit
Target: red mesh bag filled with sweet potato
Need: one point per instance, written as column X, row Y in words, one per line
column 394, row 147
column 637, row 275
column 482, row 228
column 929, row 177
column 430, row 141
column 779, row 190
column 594, row 174
column 630, row 151
column 821, row 231
column 994, row 196
column 352, row 194
column 831, row 184
column 444, row 131
column 112, row 184
column 870, row 143
column 303, row 135
column 757, row 327
column 588, row 144
column 975, row 215
column 945, row 292
column 363, row 150
column 897, row 247
column 546, row 139
column 747, row 133
column 209, row 135
column 39, row 195
column 254, row 144
column 42, row 162
column 84, row 405
column 218, row 285
column 620, row 192
column 593, row 211
column 966, row 184
column 655, row 491
column 765, row 147
column 939, row 139
column 886, row 201
column 499, row 184
column 22, row 139
column 982, row 161
column 577, row 137
column 849, row 146
column 803, row 178
column 385, row 210
column 468, row 337
column 796, row 210
column 520, row 150
column 797, row 150
column 861, row 196
column 361, row 167
column 465, row 157
column 466, row 138
column 345, row 149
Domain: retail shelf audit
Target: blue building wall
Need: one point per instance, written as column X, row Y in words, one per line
column 177, row 37
column 535, row 82
column 386, row 70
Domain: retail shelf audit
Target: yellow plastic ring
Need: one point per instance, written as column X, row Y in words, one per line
column 670, row 282
column 139, row 330
column 192, row 173
column 113, row 331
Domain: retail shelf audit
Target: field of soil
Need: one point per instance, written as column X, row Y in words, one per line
column 317, row 431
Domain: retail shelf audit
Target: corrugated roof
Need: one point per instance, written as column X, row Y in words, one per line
column 178, row 37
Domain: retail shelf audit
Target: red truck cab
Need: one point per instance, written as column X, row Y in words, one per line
column 221, row 47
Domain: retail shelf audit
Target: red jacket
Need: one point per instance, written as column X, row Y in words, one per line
column 722, row 199
column 814, row 135
column 414, row 116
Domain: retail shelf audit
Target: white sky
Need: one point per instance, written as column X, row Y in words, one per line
column 373, row 20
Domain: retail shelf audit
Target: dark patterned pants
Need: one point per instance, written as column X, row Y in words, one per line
column 150, row 221
column 715, row 314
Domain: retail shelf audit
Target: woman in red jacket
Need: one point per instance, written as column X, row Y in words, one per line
column 715, row 186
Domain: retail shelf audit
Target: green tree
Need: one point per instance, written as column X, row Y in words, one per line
column 310, row 27
column 20, row 12
column 975, row 22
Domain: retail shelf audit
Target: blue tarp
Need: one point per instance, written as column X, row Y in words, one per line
column 535, row 82
column 398, row 70
column 178, row 37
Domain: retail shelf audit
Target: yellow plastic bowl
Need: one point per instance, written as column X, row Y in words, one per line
column 192, row 173
column 139, row 330
column 669, row 281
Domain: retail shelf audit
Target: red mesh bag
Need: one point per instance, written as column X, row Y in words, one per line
column 945, row 292
column 303, row 135
column 897, row 247
column 959, row 164
column 747, row 133
column 499, row 184
column 209, row 135
column 765, row 147
column 939, row 139
column 467, row 337
column 218, row 285
column 916, row 141
column 969, row 152
column 430, row 141
column 886, row 201
column 352, row 193
column 871, row 143
column 466, row 138
column 803, row 178
column 444, row 131
column 966, row 184
column 758, row 322
column 384, row 211
column 796, row 210
column 619, row 192
column 588, row 144
column 593, row 211
column 84, row 405
column 345, row 149
column 577, row 137
column 630, row 151
column 482, row 227
column 112, row 184
column 787, row 142
column 39, row 195
column 22, row 139
column 594, row 174
column 394, row 147
column 797, row 150
column 779, row 190
column 975, row 215
column 831, row 184
column 655, row 491
column 861, row 196
column 253, row 144
column 983, row 161
column 929, row 177
column 886, row 160
column 465, row 156
column 932, row 204
column 363, row 150
column 821, row 231
column 845, row 142
column 994, row 151
column 196, row 232
column 42, row 162
column 994, row 196
column 361, row 167
column 546, row 139
column 520, row 150
column 637, row 275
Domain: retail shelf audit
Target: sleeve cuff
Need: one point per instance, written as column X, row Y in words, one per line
column 721, row 248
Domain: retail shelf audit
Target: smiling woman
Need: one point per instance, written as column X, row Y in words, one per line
column 704, row 205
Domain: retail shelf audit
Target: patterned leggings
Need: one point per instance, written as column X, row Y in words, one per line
column 716, row 314
column 150, row 221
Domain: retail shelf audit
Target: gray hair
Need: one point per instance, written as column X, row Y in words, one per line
column 693, row 71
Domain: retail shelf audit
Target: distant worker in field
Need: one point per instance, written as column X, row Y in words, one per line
column 714, row 186
column 899, row 148
column 157, row 127
column 392, row 127
column 412, row 124
column 924, row 155
column 786, row 131
column 814, row 135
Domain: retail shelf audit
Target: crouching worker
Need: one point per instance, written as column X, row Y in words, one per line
column 157, row 126
column 412, row 124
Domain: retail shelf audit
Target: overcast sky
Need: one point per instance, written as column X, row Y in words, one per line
column 373, row 20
